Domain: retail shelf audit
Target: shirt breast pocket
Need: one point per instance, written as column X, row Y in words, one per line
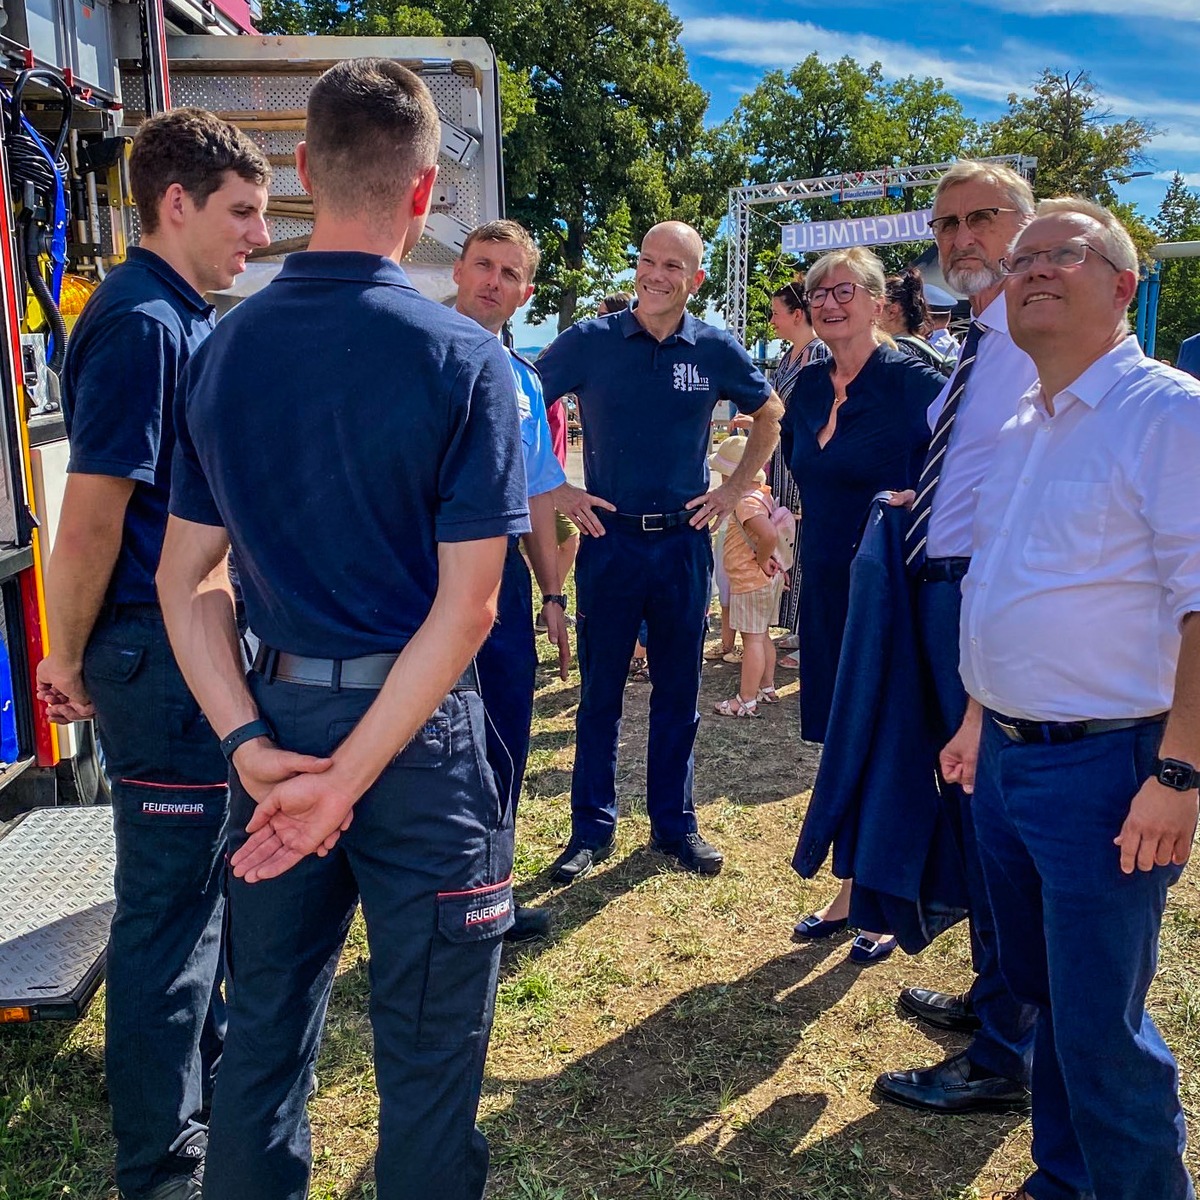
column 1067, row 535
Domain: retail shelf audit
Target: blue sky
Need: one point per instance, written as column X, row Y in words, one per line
column 1145, row 65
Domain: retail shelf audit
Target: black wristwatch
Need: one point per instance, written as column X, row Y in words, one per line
column 243, row 734
column 561, row 601
column 1176, row 774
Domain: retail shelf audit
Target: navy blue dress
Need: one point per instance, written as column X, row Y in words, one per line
column 879, row 442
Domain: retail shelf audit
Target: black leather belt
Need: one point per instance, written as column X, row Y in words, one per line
column 367, row 671
column 944, row 570
column 1052, row 733
column 647, row 522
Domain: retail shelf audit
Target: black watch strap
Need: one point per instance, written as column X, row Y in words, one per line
column 1177, row 774
column 561, row 601
column 245, row 733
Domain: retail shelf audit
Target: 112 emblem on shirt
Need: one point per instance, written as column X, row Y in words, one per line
column 688, row 379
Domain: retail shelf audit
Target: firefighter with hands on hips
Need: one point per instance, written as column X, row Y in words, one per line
column 370, row 548
column 495, row 274
column 647, row 380
column 200, row 187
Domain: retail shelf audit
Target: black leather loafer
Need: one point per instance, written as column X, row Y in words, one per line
column 940, row 1009
column 948, row 1088
column 528, row 924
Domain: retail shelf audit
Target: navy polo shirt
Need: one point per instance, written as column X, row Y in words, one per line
column 124, row 359
column 645, row 405
column 339, row 425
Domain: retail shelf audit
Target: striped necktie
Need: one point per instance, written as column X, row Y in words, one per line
column 931, row 472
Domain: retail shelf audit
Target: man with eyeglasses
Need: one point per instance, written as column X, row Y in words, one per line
column 1081, row 655
column 978, row 209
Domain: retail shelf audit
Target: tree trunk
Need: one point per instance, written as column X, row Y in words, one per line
column 573, row 258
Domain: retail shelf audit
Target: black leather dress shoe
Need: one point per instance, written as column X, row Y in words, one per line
column 692, row 853
column 949, row 1088
column 528, row 923
column 940, row 1010
column 576, row 861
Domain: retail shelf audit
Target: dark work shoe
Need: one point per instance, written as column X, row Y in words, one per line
column 577, row 860
column 940, row 1010
column 953, row 1086
column 528, row 924
column 181, row 1187
column 692, row 853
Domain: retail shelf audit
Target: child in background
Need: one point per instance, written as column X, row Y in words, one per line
column 756, row 577
column 726, row 650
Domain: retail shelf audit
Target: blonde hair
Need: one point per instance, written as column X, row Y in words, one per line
column 970, row 170
column 866, row 270
column 1114, row 239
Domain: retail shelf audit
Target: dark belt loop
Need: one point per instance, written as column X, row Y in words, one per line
column 272, row 664
column 335, row 675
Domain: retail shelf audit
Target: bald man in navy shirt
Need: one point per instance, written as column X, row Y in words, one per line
column 647, row 555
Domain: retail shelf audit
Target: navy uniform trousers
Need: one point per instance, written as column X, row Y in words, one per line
column 507, row 664
column 1004, row 1042
column 1078, row 940
column 429, row 854
column 626, row 576
column 164, row 1018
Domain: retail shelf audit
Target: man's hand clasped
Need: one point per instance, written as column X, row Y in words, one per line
column 303, row 808
column 60, row 688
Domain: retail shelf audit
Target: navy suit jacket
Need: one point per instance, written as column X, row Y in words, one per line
column 875, row 800
column 1189, row 356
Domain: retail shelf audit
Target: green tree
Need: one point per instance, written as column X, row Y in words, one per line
column 1178, row 220
column 1081, row 150
column 822, row 119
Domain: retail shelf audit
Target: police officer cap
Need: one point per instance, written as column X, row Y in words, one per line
column 937, row 300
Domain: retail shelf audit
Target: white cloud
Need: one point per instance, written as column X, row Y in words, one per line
column 1179, row 143
column 1171, row 10
column 1190, row 178
column 771, row 44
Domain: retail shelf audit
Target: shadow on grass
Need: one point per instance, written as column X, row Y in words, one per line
column 672, row 1090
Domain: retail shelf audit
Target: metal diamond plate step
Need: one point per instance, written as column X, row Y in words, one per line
column 56, row 904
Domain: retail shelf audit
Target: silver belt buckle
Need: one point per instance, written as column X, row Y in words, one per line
column 653, row 517
column 1010, row 731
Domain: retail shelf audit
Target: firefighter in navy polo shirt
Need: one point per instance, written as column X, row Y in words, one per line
column 200, row 187
column 369, row 549
column 656, row 370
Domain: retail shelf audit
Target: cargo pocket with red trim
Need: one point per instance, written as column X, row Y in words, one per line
column 461, row 972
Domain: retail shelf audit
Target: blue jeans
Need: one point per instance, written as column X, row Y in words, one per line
column 164, row 1017
column 1004, row 1042
column 1079, row 941
column 429, row 855
column 622, row 579
column 507, row 664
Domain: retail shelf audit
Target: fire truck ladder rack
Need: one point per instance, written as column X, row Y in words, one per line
column 57, row 866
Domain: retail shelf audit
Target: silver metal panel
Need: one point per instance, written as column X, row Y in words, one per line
column 270, row 74
column 57, row 867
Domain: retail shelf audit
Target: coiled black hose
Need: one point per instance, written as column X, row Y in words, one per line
column 30, row 169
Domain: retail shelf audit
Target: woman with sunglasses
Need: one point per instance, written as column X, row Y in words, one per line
column 855, row 426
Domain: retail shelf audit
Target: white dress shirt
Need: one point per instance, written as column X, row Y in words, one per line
column 1087, row 547
column 1001, row 376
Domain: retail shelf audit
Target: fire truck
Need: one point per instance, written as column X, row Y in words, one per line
column 76, row 79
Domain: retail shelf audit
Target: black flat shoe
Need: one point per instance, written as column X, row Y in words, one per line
column 940, row 1010
column 576, row 861
column 949, row 1088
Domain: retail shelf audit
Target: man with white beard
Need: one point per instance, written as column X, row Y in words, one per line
column 978, row 210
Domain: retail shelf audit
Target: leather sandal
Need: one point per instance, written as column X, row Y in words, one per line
column 737, row 707
column 768, row 696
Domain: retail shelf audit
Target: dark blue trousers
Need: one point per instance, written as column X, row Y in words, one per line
column 1004, row 1043
column 507, row 664
column 164, row 1019
column 621, row 579
column 429, row 855
column 1078, row 940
